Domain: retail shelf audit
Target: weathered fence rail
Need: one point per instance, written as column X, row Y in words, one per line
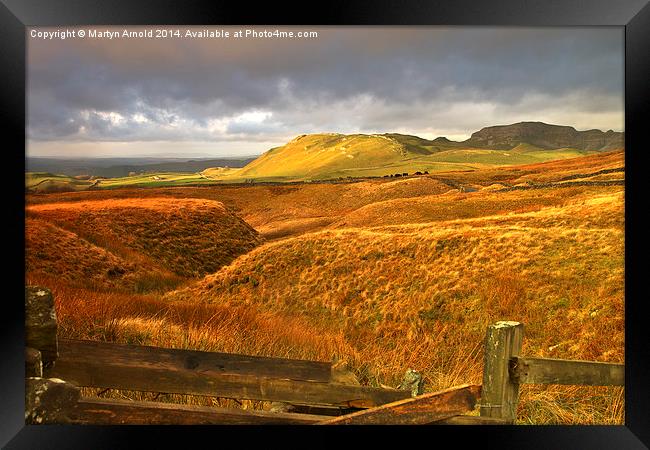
column 504, row 370
column 118, row 412
column 562, row 371
column 80, row 358
column 152, row 369
column 422, row 409
column 310, row 392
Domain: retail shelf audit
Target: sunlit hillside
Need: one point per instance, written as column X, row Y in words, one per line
column 331, row 156
column 422, row 295
column 55, row 254
column 324, row 155
column 389, row 279
column 278, row 211
column 385, row 274
column 334, row 156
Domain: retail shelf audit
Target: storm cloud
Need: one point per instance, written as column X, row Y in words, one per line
column 242, row 95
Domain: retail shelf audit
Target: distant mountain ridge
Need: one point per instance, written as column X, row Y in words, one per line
column 122, row 167
column 336, row 155
column 543, row 135
column 323, row 156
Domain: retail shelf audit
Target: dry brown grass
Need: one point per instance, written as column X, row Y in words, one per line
column 147, row 320
column 52, row 253
column 274, row 211
column 421, row 295
column 549, row 171
column 190, row 237
column 555, row 170
column 389, row 275
column 454, row 205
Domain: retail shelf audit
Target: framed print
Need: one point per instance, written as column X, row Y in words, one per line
column 413, row 214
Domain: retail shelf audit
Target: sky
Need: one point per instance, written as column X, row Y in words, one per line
column 240, row 96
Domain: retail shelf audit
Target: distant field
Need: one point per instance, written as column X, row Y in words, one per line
column 320, row 157
column 152, row 180
column 382, row 273
column 121, row 167
column 48, row 182
column 331, row 156
column 43, row 182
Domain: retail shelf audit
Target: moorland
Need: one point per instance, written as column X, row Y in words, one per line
column 318, row 250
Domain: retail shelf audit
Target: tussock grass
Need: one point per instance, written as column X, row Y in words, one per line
column 384, row 274
column 52, row 253
column 276, row 211
column 422, row 296
column 148, row 320
column 190, row 237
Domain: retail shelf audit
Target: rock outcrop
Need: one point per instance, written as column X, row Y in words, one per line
column 539, row 134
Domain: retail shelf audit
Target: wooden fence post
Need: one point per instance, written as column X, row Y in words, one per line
column 499, row 395
column 40, row 323
column 33, row 363
column 49, row 400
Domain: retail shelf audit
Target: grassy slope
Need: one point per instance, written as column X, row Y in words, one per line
column 452, row 205
column 551, row 258
column 421, row 295
column 455, row 205
column 53, row 253
column 547, row 171
column 189, row 237
column 327, row 156
column 278, row 211
column 385, row 295
column 48, row 182
column 319, row 155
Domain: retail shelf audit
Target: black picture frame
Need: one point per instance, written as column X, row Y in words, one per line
column 633, row 15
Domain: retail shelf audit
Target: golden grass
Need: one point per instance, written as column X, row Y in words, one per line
column 52, row 253
column 389, row 275
column 274, row 211
column 147, row 320
column 550, row 171
column 422, row 296
column 190, row 237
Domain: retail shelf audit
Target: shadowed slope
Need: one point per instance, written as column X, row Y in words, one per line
column 54, row 253
column 190, row 237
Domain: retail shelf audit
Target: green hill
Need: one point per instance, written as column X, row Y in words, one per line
column 48, row 182
column 320, row 156
column 331, row 156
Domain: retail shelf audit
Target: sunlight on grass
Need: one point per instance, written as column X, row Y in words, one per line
column 382, row 274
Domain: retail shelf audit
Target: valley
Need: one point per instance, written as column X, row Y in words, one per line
column 384, row 273
column 338, row 157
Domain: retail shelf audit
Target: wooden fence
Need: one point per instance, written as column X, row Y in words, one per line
column 504, row 370
column 304, row 392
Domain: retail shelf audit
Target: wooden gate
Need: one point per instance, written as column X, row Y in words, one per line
column 309, row 392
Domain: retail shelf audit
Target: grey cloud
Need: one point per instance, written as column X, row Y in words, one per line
column 252, row 128
column 347, row 79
